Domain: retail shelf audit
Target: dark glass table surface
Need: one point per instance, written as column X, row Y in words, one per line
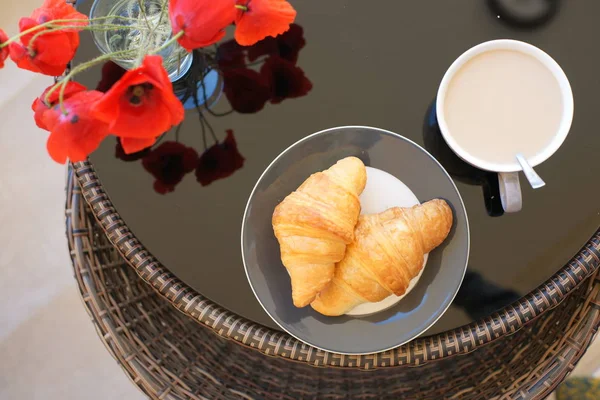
column 379, row 64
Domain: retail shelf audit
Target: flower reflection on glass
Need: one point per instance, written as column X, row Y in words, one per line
column 286, row 80
column 219, row 161
column 168, row 164
column 248, row 76
column 231, row 54
column 246, row 90
column 278, row 79
column 286, row 46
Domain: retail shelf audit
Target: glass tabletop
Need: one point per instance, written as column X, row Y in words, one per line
column 352, row 63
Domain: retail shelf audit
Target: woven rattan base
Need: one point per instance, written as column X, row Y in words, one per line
column 171, row 356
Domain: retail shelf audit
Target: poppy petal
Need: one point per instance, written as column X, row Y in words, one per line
column 52, row 50
column 4, row 50
column 148, row 121
column 58, row 9
column 134, row 145
column 49, row 55
column 21, row 57
column 156, row 71
column 41, row 104
column 202, row 21
column 120, row 152
column 77, row 133
column 263, row 18
column 75, row 141
column 108, row 107
column 145, row 115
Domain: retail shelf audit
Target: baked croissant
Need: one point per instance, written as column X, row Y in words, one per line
column 386, row 254
column 315, row 223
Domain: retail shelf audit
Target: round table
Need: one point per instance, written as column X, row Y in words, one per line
column 376, row 65
column 349, row 63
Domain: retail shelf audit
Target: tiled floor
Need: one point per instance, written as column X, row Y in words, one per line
column 48, row 347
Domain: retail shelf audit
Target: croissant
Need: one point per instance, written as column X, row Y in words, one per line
column 386, row 254
column 315, row 223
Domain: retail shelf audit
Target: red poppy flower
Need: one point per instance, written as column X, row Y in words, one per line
column 286, row 45
column 3, row 50
column 219, row 161
column 76, row 133
column 50, row 53
column 111, row 73
column 262, row 18
column 168, row 164
column 121, row 154
column 141, row 104
column 58, row 9
column 287, row 81
column 246, row 90
column 41, row 104
column 202, row 21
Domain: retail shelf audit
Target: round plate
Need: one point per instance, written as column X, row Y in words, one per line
column 270, row 281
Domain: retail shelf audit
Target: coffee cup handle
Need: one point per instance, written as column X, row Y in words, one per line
column 510, row 191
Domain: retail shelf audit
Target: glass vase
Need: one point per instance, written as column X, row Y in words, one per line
column 146, row 26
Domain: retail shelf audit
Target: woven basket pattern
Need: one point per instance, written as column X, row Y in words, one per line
column 170, row 356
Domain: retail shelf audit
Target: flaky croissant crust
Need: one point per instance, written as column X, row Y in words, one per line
column 315, row 223
column 386, row 255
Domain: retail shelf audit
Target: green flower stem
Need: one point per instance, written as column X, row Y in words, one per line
column 167, row 43
column 58, row 21
column 143, row 12
column 241, row 7
column 81, row 67
column 145, row 19
column 164, row 8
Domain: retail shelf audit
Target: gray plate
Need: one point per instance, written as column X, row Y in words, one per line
column 270, row 282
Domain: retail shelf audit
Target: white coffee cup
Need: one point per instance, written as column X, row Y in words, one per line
column 508, row 173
